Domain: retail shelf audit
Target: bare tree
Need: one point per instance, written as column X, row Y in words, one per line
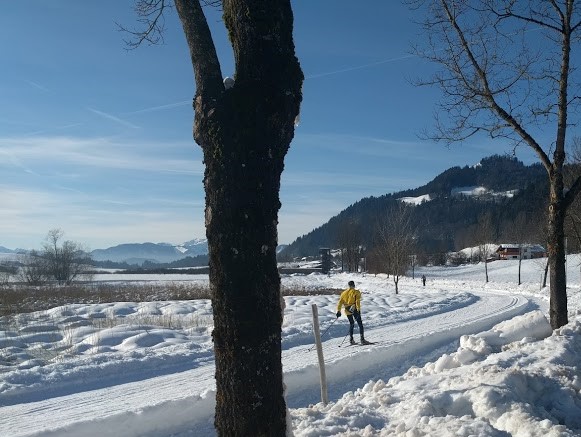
column 485, row 236
column 349, row 241
column 522, row 233
column 34, row 269
column 4, row 277
column 506, row 70
column 7, row 271
column 375, row 262
column 244, row 126
column 396, row 239
column 65, row 261
column 573, row 171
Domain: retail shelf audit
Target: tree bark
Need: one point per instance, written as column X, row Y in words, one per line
column 486, row 269
column 519, row 262
column 556, row 252
column 245, row 133
column 546, row 271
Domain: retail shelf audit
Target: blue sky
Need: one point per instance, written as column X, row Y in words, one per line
column 97, row 140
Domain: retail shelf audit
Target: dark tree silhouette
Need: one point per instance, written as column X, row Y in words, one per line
column 244, row 126
column 505, row 70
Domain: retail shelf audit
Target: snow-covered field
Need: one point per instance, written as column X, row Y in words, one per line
column 457, row 357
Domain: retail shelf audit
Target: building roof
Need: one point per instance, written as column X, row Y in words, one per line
column 531, row 247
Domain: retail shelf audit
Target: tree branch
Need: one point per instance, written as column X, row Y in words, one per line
column 487, row 93
column 150, row 13
column 202, row 50
column 572, row 193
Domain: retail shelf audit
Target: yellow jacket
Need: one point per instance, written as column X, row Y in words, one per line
column 350, row 297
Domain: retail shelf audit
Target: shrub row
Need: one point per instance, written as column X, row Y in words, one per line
column 24, row 299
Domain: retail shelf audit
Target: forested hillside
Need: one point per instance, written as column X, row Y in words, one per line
column 448, row 213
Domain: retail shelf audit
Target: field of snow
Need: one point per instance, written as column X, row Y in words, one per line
column 457, row 357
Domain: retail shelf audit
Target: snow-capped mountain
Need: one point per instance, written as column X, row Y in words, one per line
column 137, row 253
column 195, row 247
column 5, row 250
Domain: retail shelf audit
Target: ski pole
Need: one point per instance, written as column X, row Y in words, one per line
column 344, row 338
column 323, row 334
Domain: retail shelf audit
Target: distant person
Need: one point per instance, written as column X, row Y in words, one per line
column 424, row 280
column 351, row 300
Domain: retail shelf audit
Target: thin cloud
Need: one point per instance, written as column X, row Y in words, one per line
column 159, row 108
column 16, row 122
column 113, row 118
column 118, row 202
column 361, row 145
column 37, row 86
column 54, row 129
column 72, row 190
column 360, row 67
column 97, row 153
column 16, row 162
column 378, row 63
column 94, row 220
column 329, row 179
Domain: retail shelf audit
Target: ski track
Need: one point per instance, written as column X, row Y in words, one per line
column 182, row 404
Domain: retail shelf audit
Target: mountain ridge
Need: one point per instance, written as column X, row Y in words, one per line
column 445, row 216
column 446, row 210
column 138, row 253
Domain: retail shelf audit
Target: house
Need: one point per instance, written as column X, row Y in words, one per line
column 529, row 251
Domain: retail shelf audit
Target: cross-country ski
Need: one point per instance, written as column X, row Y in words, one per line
column 366, row 343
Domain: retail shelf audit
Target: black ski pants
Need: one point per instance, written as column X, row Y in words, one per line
column 357, row 316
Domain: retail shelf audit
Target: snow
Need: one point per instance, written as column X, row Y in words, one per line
column 457, row 357
column 481, row 191
column 416, row 200
column 459, row 191
column 9, row 256
column 469, row 191
column 228, row 83
column 474, row 251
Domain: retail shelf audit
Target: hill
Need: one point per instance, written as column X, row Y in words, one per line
column 446, row 210
column 445, row 215
column 139, row 253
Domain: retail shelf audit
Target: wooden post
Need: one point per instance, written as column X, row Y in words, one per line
column 317, row 332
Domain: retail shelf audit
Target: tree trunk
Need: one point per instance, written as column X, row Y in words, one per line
column 242, row 231
column 492, row 88
column 545, row 274
column 245, row 133
column 519, row 262
column 556, row 251
column 486, row 269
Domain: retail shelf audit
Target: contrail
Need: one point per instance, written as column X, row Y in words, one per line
column 157, row 108
column 37, row 85
column 312, row 76
column 360, row 67
column 43, row 131
column 113, row 118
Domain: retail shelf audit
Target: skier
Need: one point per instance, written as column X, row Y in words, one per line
column 424, row 280
column 351, row 299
